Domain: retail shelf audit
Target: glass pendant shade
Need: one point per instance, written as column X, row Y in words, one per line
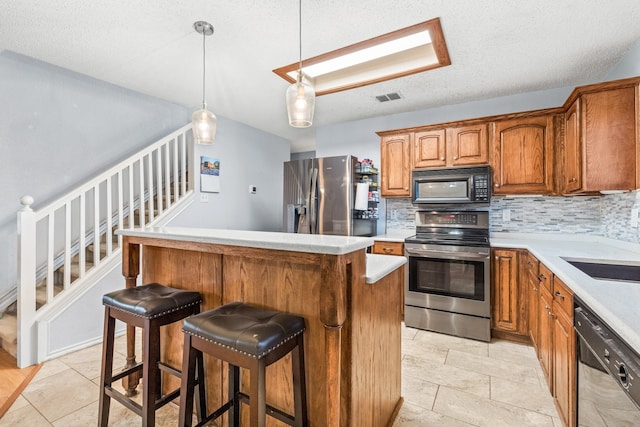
column 204, row 126
column 301, row 100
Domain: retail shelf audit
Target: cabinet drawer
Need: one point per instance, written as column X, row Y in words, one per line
column 388, row 248
column 545, row 276
column 531, row 265
column 563, row 297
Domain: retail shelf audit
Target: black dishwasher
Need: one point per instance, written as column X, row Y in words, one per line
column 608, row 384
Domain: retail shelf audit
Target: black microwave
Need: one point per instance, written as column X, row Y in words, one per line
column 467, row 186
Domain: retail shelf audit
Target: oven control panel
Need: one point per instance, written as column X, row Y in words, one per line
column 467, row 219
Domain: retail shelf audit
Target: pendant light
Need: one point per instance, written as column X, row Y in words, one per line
column 204, row 121
column 301, row 97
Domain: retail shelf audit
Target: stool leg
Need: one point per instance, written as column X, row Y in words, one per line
column 257, row 399
column 201, row 402
column 150, row 372
column 234, row 389
column 299, row 384
column 107, row 367
column 187, row 383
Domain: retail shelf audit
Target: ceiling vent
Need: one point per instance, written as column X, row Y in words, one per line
column 388, row 97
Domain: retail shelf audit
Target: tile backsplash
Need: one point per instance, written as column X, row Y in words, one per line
column 609, row 216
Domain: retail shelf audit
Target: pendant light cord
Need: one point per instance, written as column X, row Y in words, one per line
column 204, row 65
column 300, row 38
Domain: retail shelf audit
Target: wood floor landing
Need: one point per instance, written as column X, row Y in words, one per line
column 14, row 380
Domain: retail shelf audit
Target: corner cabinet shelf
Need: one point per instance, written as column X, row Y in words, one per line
column 365, row 222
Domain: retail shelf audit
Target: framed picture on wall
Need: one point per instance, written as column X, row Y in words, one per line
column 209, row 174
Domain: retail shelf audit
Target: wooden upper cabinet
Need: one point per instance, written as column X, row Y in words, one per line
column 522, row 157
column 468, row 145
column 395, row 165
column 600, row 142
column 572, row 155
column 429, row 149
column 459, row 146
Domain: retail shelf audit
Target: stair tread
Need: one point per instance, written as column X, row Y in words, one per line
column 9, row 333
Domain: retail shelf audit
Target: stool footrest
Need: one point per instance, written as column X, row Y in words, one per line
column 270, row 410
column 126, row 372
column 221, row 410
column 169, row 369
column 124, row 400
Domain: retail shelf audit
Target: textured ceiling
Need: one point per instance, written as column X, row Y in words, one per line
column 497, row 48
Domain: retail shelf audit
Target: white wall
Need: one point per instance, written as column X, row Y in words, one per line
column 629, row 65
column 60, row 128
column 247, row 157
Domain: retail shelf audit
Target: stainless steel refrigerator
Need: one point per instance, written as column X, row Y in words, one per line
column 319, row 196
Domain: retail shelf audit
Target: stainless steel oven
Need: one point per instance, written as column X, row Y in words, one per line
column 607, row 375
column 447, row 283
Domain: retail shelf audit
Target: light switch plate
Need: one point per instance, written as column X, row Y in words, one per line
column 204, row 198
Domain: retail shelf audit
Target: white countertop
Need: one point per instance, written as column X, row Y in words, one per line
column 616, row 302
column 378, row 266
column 314, row 243
column 395, row 235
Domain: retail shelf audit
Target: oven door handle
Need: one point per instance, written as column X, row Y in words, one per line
column 453, row 255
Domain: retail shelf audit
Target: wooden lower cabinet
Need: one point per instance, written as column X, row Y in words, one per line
column 537, row 305
column 532, row 281
column 509, row 298
column 564, row 354
column 545, row 337
column 387, row 248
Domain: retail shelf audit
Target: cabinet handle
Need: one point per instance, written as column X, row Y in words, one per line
column 550, row 314
column 455, row 157
column 542, row 277
column 387, row 249
column 535, row 289
column 496, row 185
column 529, row 263
column 573, row 180
column 559, row 295
column 442, row 158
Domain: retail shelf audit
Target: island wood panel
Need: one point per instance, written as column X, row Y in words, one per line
column 192, row 270
column 293, row 287
column 374, row 331
column 323, row 289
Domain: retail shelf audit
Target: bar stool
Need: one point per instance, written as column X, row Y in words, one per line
column 148, row 307
column 248, row 337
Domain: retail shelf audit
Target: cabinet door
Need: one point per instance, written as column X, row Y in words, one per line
column 523, row 156
column 563, row 364
column 505, row 290
column 429, row 149
column 572, row 153
column 468, row 145
column 533, row 283
column 395, row 161
column 545, row 342
column 608, row 120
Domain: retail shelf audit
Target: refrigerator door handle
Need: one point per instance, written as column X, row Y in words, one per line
column 313, row 209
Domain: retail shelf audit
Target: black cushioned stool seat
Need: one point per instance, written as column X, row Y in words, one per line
column 148, row 307
column 248, row 337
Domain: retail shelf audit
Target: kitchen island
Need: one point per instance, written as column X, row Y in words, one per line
column 353, row 319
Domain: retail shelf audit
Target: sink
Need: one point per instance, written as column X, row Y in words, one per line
column 607, row 269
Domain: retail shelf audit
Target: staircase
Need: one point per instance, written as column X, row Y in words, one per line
column 66, row 247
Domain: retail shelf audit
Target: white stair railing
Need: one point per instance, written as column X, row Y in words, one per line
column 53, row 241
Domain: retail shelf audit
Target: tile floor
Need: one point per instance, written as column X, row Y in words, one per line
column 446, row 381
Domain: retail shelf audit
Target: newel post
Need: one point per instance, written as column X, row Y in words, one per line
column 27, row 339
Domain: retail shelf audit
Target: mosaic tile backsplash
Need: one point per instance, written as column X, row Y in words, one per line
column 609, row 216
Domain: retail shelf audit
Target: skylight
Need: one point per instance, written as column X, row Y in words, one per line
column 400, row 53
